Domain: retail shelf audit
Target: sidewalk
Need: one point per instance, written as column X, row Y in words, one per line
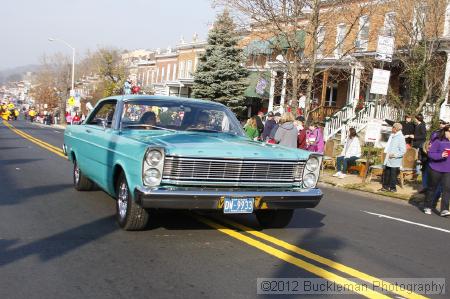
column 354, row 182
column 61, row 127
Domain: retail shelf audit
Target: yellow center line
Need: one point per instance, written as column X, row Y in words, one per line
column 34, row 138
column 36, row 141
column 325, row 261
column 357, row 288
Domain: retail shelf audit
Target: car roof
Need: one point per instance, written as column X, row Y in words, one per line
column 160, row 97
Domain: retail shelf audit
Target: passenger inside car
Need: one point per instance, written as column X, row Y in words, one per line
column 202, row 121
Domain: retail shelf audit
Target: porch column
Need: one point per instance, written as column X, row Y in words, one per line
column 324, row 94
column 351, row 90
column 357, row 85
column 273, row 74
column 444, row 114
column 283, row 91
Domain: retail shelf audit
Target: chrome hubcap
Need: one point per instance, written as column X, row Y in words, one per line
column 122, row 200
column 77, row 174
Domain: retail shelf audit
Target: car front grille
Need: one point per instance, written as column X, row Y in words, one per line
column 231, row 172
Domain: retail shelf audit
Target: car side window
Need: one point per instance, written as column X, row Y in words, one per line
column 105, row 112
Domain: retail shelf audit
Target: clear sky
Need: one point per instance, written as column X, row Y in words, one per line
column 26, row 25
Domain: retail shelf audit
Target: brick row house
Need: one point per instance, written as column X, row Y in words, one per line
column 344, row 48
column 167, row 72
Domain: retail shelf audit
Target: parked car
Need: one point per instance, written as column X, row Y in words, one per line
column 154, row 152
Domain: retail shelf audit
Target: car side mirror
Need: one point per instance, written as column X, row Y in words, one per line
column 104, row 124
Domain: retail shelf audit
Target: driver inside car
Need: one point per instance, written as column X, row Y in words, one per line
column 148, row 118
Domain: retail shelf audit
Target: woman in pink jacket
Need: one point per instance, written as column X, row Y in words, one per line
column 314, row 139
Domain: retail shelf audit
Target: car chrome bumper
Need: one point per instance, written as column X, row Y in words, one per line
column 212, row 199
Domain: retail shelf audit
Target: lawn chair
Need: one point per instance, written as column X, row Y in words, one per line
column 329, row 155
column 408, row 165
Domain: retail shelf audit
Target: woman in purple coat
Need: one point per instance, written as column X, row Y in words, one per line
column 439, row 171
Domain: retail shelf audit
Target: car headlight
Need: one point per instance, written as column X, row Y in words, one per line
column 153, row 166
column 311, row 171
column 309, row 180
column 312, row 164
column 154, row 157
column 152, row 176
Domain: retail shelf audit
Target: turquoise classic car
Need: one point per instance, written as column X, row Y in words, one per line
column 155, row 152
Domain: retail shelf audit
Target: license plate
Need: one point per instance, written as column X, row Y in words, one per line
column 238, row 205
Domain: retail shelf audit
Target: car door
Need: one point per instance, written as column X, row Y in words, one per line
column 98, row 150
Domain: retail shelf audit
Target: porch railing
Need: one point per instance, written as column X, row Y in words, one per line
column 335, row 123
column 324, row 111
column 346, row 118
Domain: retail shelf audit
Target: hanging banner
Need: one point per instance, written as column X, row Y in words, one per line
column 261, row 86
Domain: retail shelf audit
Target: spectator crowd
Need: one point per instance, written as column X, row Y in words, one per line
column 433, row 160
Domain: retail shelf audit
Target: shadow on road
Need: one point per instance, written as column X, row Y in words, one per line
column 17, row 161
column 303, row 218
column 19, row 195
column 11, row 147
column 58, row 244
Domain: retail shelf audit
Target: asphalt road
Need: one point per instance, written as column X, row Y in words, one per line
column 56, row 242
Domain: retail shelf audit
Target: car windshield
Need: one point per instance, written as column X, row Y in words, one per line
column 179, row 116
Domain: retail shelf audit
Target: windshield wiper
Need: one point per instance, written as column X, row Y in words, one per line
column 211, row 131
column 203, row 130
column 148, row 126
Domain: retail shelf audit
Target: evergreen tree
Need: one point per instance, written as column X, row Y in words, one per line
column 220, row 75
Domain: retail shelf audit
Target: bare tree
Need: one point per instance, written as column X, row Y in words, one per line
column 53, row 82
column 297, row 32
column 421, row 52
column 111, row 69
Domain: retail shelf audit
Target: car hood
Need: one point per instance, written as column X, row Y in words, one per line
column 215, row 145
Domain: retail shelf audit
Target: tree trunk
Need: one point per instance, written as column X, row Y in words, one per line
column 295, row 83
column 62, row 113
column 313, row 61
column 309, row 88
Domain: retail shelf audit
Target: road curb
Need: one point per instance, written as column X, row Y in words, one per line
column 368, row 194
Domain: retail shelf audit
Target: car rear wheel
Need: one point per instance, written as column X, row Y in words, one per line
column 80, row 181
column 130, row 216
column 274, row 218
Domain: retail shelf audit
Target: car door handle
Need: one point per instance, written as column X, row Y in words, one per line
column 88, row 131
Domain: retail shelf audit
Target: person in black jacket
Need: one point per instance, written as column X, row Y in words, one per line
column 268, row 126
column 420, row 133
column 275, row 127
column 408, row 128
column 259, row 122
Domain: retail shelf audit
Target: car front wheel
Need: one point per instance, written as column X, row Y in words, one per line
column 274, row 218
column 130, row 216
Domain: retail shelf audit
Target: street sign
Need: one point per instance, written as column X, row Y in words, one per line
column 71, row 101
column 385, row 48
column 380, row 81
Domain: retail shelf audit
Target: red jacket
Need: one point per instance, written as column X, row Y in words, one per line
column 301, row 139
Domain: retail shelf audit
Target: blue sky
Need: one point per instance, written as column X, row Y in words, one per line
column 88, row 24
